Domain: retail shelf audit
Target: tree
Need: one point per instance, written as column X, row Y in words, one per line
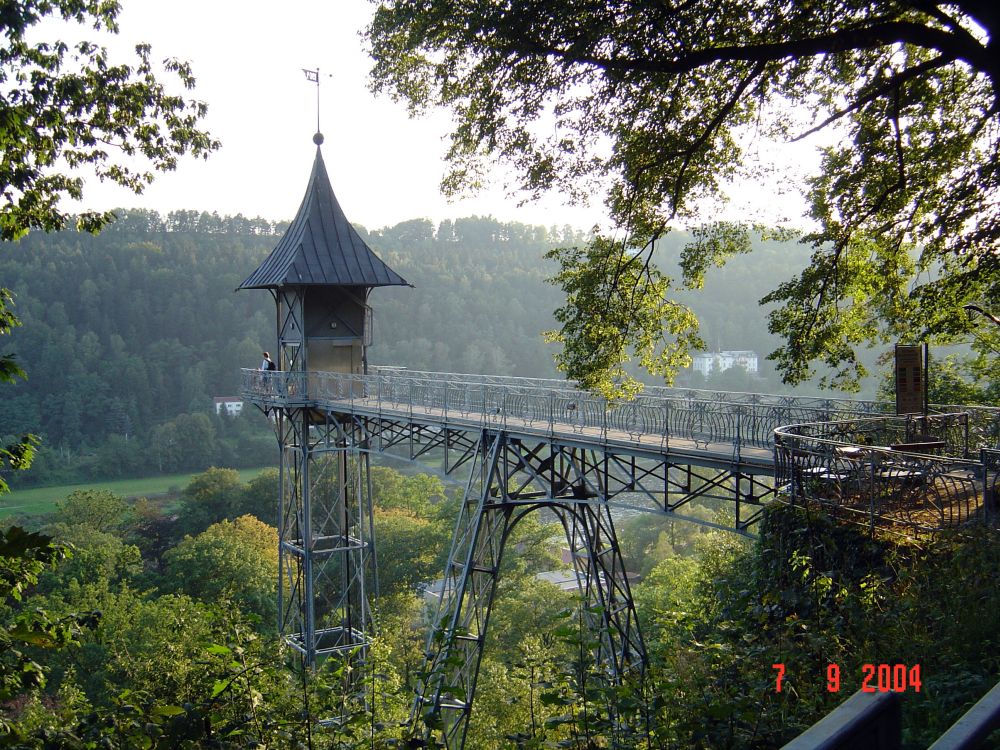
column 23, row 558
column 654, row 102
column 71, row 107
column 100, row 559
column 235, row 560
column 19, row 452
column 409, row 550
column 212, row 496
column 417, row 494
column 596, row 348
column 260, row 497
column 102, row 510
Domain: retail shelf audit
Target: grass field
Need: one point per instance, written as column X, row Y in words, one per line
column 43, row 499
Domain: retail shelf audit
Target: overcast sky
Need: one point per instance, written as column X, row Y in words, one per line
column 248, row 58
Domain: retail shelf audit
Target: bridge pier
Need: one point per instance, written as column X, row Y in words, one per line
column 509, row 480
column 326, row 545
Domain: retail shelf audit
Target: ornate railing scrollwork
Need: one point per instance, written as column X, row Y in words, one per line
column 669, row 416
column 917, row 471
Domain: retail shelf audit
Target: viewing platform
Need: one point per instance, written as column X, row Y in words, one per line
column 878, row 469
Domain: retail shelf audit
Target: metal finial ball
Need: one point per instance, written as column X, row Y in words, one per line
column 318, row 139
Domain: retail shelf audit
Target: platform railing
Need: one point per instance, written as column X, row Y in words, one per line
column 553, row 406
column 833, row 405
column 944, row 434
column 918, row 471
column 990, row 458
column 816, row 404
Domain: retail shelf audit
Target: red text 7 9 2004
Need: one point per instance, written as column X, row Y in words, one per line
column 880, row 678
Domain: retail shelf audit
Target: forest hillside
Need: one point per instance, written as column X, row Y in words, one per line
column 128, row 335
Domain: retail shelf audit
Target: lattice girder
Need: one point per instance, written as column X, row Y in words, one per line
column 291, row 328
column 509, row 480
column 326, row 545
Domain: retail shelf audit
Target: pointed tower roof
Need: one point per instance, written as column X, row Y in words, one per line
column 320, row 247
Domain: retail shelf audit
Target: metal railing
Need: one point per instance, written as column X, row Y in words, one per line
column 990, row 458
column 817, row 404
column 920, row 471
column 704, row 419
column 975, row 726
column 947, row 434
column 871, row 721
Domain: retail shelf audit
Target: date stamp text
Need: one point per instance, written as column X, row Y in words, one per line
column 874, row 678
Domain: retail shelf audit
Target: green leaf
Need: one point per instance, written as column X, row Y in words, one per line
column 219, row 687
column 167, row 710
column 35, row 637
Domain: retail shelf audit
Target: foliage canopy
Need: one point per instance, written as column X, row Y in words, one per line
column 70, row 107
column 236, row 560
column 654, row 102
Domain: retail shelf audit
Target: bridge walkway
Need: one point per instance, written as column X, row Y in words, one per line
column 691, row 424
column 706, row 450
column 725, row 441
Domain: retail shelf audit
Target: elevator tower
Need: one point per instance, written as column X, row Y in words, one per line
column 320, row 275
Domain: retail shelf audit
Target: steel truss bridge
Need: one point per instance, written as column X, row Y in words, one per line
column 528, row 444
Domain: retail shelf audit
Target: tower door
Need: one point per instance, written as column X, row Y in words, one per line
column 347, row 358
column 340, row 356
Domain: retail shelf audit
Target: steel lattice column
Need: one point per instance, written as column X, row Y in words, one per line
column 326, row 551
column 504, row 486
column 607, row 599
column 456, row 642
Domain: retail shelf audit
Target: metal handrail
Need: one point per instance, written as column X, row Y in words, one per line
column 919, row 472
column 551, row 405
column 870, row 720
column 949, row 433
column 817, row 403
column 975, row 726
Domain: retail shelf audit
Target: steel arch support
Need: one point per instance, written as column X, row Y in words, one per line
column 608, row 607
column 504, row 487
column 444, row 698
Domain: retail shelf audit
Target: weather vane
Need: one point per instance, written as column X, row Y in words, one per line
column 313, row 76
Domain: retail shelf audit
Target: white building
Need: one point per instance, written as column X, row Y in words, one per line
column 231, row 406
column 712, row 362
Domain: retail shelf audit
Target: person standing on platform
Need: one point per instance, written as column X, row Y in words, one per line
column 267, row 365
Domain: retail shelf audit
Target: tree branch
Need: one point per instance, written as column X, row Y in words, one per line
column 986, row 13
column 892, row 83
column 962, row 47
column 709, row 131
